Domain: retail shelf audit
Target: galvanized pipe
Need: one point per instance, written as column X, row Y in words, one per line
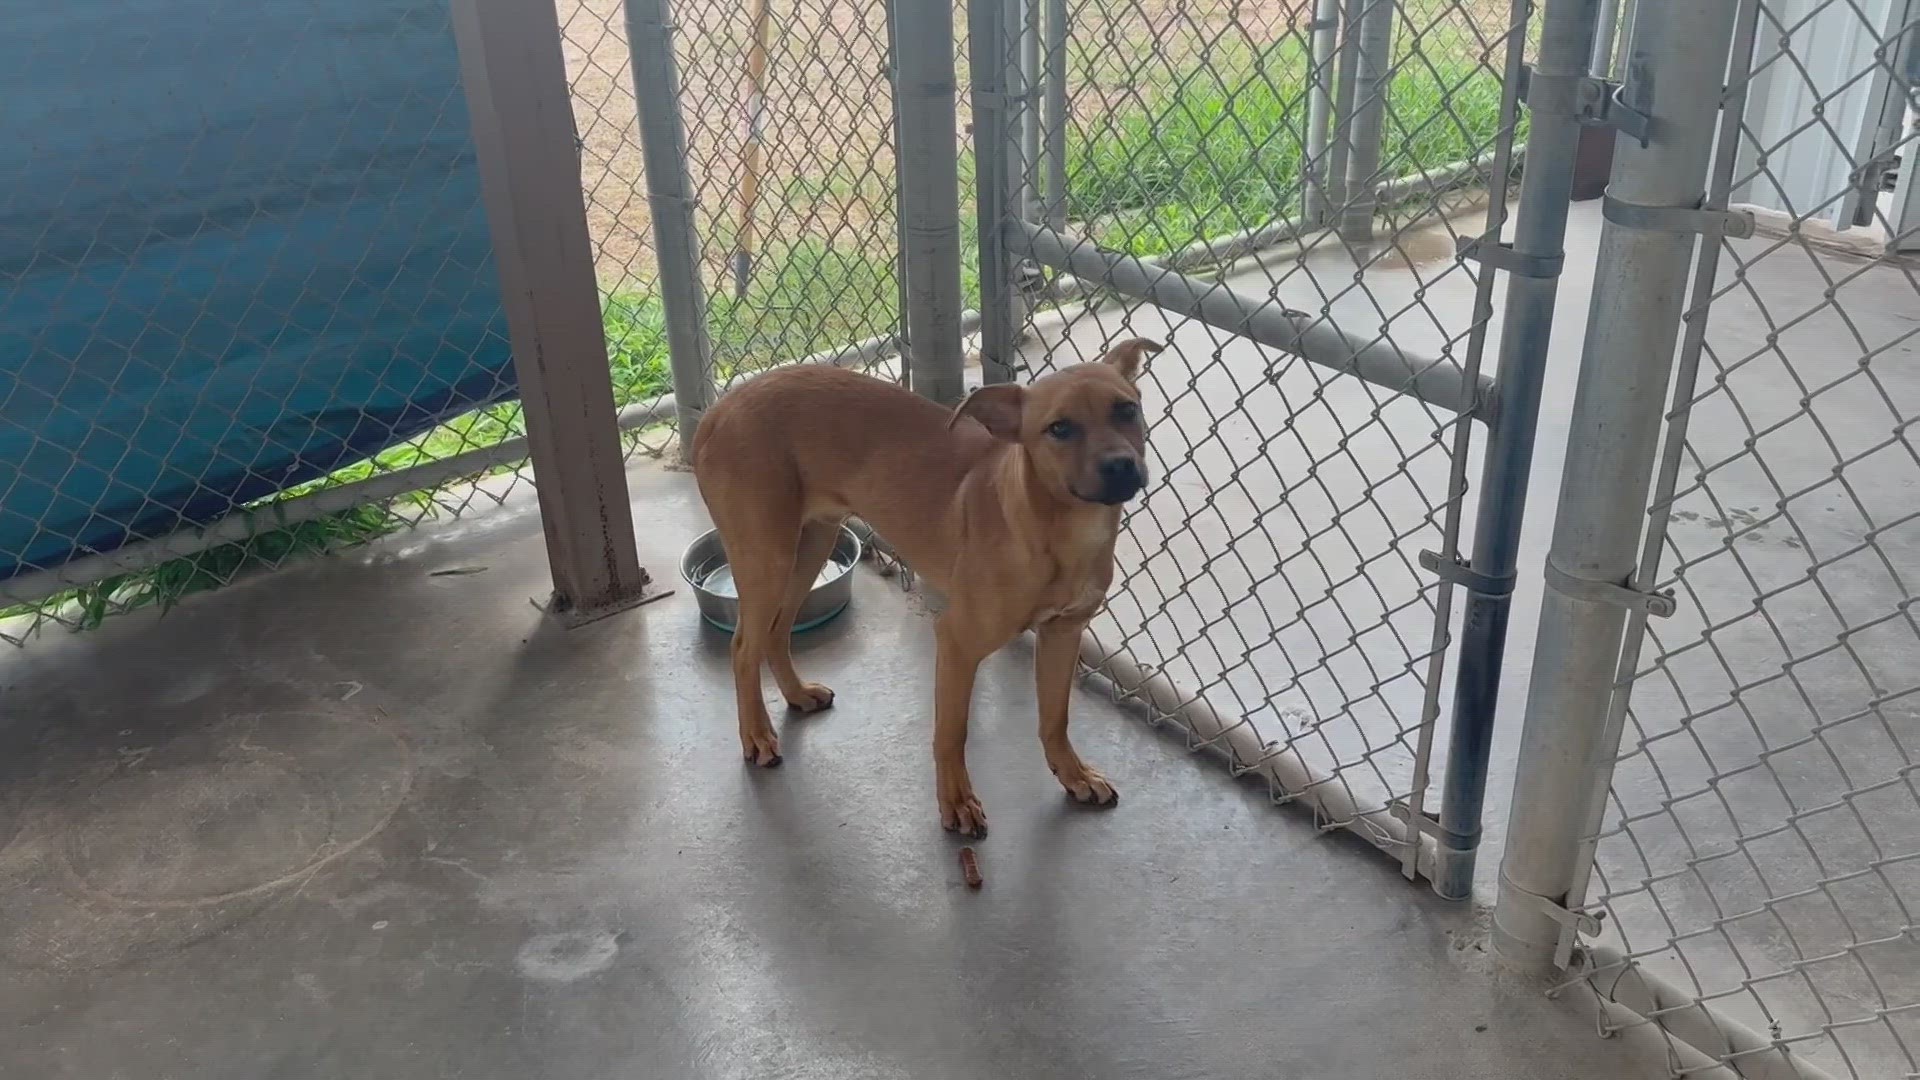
column 899, row 211
column 1054, row 116
column 1333, row 175
column 1539, row 237
column 1027, row 15
column 995, row 185
column 1606, row 21
column 670, row 198
column 1439, row 383
column 1373, row 81
column 1674, row 74
column 930, row 196
column 1324, row 34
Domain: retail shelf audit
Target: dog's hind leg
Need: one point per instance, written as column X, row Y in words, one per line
column 760, row 547
column 816, row 544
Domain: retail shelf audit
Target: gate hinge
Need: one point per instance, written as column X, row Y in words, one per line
column 1586, row 99
column 1457, row 571
column 1698, row 220
column 1501, row 256
column 1659, row 604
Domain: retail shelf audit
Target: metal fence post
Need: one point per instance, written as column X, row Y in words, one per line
column 1054, row 115
column 996, row 179
column 1325, row 36
column 1532, row 262
column 1606, row 25
column 516, row 86
column 1333, row 172
column 930, row 195
column 1674, row 80
column 670, row 198
column 1373, row 81
column 1028, row 14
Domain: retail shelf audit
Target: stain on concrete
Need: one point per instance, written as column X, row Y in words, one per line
column 567, row 956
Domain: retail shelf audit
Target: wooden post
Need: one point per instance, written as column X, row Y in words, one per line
column 516, row 87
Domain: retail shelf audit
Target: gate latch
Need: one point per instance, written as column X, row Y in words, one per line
column 1587, row 99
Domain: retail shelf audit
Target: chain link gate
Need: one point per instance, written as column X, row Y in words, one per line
column 1727, row 698
column 1306, row 203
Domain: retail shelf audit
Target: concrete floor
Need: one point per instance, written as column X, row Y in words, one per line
column 354, row 819
column 357, row 818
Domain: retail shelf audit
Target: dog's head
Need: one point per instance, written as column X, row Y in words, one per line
column 1080, row 426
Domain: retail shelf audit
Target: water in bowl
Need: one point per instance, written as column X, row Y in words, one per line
column 720, row 581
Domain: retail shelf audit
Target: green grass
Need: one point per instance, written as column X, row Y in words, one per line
column 1205, row 156
column 1187, row 155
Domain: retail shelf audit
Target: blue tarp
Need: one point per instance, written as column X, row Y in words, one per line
column 241, row 245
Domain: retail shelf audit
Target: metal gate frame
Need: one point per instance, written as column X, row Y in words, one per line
column 1440, row 846
column 1667, row 216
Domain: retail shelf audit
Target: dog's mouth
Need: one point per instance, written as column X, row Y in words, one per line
column 1109, row 496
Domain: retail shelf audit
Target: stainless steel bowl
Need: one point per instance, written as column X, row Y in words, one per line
column 704, row 568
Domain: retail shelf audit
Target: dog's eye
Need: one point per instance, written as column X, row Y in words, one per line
column 1062, row 430
column 1126, row 412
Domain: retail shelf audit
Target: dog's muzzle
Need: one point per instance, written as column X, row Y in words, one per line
column 1121, row 478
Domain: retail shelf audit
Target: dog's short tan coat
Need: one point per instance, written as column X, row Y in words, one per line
column 1008, row 506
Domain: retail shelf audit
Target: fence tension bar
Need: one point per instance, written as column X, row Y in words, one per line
column 1659, row 604
column 1589, row 100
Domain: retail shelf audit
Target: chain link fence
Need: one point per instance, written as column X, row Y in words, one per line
column 1280, row 191
column 787, row 117
column 1757, row 868
column 1305, row 198
column 247, row 299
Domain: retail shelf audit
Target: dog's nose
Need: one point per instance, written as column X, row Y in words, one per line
column 1120, row 478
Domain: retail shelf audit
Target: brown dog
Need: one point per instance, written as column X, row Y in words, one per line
column 1008, row 505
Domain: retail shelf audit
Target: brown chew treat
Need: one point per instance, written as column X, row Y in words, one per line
column 970, row 867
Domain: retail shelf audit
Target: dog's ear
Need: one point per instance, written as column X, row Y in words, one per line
column 1130, row 356
column 997, row 407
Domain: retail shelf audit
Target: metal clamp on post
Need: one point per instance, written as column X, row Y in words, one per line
column 1660, row 604
column 1499, row 256
column 1587, row 99
column 1695, row 219
column 1572, row 922
column 1427, row 823
column 1456, row 571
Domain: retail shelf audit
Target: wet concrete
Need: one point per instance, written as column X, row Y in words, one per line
column 354, row 819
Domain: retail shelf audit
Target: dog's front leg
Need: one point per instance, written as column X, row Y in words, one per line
column 956, row 662
column 1056, row 654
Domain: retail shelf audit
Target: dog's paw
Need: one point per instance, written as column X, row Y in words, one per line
column 812, row 698
column 1088, row 787
column 760, row 747
column 961, row 813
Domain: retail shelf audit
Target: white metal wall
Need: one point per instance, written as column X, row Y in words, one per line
column 1811, row 122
